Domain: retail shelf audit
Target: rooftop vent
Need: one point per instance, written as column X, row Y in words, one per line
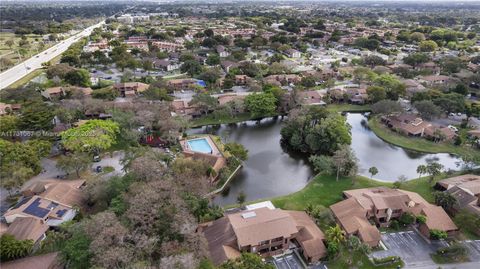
column 249, row 215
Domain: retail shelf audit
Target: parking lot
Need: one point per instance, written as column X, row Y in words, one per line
column 473, row 247
column 408, row 245
column 288, row 261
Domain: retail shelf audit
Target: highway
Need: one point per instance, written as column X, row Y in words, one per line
column 22, row 69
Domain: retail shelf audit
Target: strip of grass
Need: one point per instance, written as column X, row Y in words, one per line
column 419, row 144
column 210, row 119
column 348, row 108
column 24, row 80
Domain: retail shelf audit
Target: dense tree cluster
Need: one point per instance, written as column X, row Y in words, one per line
column 315, row 131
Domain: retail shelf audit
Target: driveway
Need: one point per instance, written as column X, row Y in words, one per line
column 114, row 161
column 409, row 246
column 49, row 171
column 473, row 247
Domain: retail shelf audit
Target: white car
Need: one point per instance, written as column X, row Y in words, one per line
column 453, row 128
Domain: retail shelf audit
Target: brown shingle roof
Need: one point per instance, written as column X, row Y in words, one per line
column 27, row 228
column 265, row 225
column 46, row 261
column 64, row 193
column 309, row 236
column 438, row 219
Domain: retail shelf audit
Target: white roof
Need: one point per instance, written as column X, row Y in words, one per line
column 267, row 204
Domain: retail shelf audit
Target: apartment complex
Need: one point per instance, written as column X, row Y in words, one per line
column 365, row 209
column 266, row 231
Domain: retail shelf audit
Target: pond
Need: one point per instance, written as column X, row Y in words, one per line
column 272, row 171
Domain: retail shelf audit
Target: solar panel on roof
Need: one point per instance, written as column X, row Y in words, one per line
column 60, row 213
column 21, row 202
column 35, row 210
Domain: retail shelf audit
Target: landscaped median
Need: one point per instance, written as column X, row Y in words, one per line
column 420, row 144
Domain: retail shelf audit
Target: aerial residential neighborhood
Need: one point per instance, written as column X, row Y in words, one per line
column 239, row 134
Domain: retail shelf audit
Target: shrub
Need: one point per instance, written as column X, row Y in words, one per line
column 407, row 218
column 385, row 260
column 421, row 219
column 437, row 234
column 394, row 224
column 453, row 253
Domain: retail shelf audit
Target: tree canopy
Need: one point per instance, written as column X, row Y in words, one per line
column 90, row 136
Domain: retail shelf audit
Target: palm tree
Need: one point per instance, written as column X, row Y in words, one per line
column 335, row 234
column 421, row 170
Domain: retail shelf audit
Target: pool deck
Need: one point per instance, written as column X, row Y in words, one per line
column 186, row 146
column 215, row 159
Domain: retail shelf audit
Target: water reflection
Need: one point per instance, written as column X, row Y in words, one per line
column 272, row 170
column 391, row 161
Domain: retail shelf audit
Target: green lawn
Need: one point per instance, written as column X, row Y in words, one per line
column 356, row 259
column 12, row 53
column 24, row 80
column 325, row 190
column 419, row 144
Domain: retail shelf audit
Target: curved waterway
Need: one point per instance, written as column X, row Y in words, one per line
column 271, row 170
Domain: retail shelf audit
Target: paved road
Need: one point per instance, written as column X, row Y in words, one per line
column 17, row 72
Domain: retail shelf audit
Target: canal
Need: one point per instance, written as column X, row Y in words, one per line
column 272, row 171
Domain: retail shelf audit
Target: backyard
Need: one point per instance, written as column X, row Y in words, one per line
column 420, row 144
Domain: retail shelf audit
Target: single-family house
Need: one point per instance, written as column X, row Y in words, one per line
column 222, row 51
column 293, row 53
column 53, row 93
column 166, row 65
column 130, row 89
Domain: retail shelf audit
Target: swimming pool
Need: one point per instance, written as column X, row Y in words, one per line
column 200, row 145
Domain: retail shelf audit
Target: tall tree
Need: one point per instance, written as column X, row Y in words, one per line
column 345, row 161
column 75, row 162
column 261, row 104
column 90, row 136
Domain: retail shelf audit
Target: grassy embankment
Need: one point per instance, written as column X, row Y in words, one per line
column 35, row 73
column 419, row 144
column 325, row 190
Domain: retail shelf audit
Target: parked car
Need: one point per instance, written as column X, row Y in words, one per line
column 98, row 169
column 453, row 128
column 96, row 158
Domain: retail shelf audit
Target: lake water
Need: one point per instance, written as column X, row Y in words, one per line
column 272, row 171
